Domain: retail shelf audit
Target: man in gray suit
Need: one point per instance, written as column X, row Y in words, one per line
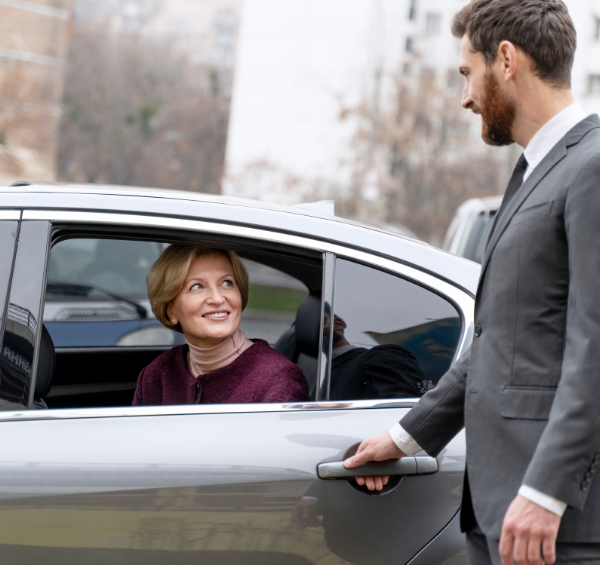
column 528, row 390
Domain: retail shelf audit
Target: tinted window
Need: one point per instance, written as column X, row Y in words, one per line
column 392, row 338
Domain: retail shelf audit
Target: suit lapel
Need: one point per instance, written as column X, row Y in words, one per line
column 557, row 154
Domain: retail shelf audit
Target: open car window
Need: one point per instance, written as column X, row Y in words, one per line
column 104, row 333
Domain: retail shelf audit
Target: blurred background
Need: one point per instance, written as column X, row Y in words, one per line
column 289, row 101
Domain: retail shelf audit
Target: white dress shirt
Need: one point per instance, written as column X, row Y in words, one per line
column 539, row 146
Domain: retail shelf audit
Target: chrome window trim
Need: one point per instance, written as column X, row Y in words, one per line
column 461, row 299
column 10, row 214
column 197, row 409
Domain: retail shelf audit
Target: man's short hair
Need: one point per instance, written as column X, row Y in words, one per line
column 543, row 29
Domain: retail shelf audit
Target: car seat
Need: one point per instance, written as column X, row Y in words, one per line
column 44, row 376
column 300, row 343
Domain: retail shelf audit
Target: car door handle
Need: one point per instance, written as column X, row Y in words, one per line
column 405, row 466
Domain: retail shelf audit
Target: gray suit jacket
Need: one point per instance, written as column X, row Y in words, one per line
column 528, row 390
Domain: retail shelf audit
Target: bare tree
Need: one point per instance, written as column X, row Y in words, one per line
column 427, row 159
column 134, row 116
column 27, row 119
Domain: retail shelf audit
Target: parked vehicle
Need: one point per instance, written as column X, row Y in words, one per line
column 470, row 227
column 85, row 477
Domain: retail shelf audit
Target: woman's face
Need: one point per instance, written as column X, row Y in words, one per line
column 209, row 308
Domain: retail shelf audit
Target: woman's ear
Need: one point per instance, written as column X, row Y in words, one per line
column 171, row 316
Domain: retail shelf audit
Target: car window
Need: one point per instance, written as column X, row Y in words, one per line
column 104, row 332
column 391, row 337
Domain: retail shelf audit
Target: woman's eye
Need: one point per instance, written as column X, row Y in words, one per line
column 228, row 283
column 196, row 286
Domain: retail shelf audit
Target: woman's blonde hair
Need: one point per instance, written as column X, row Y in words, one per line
column 166, row 278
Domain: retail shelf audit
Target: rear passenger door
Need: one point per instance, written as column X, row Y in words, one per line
column 234, row 484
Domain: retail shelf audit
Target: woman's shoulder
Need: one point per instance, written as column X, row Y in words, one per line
column 166, row 363
column 275, row 375
column 262, row 352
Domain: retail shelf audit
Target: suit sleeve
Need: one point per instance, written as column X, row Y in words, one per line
column 563, row 464
column 439, row 415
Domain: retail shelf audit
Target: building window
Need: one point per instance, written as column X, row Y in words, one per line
column 597, row 28
column 432, row 24
column 409, row 45
column 594, row 85
column 412, row 14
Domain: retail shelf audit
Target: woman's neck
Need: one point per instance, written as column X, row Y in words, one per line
column 202, row 360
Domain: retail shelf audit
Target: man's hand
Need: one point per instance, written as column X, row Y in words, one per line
column 376, row 448
column 528, row 534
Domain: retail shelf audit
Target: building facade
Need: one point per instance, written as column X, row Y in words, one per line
column 34, row 39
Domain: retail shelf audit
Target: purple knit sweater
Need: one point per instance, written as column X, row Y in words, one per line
column 259, row 374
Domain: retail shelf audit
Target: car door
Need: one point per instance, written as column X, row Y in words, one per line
column 229, row 484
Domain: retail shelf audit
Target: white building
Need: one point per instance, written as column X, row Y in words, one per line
column 301, row 62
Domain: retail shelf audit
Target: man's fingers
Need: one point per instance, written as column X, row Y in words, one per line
column 370, row 483
column 549, row 549
column 534, row 550
column 386, row 480
column 360, row 480
column 520, row 550
column 358, row 459
column 506, row 547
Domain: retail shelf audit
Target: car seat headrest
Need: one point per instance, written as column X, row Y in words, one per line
column 46, row 365
column 308, row 324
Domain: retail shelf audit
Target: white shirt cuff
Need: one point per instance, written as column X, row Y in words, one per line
column 404, row 440
column 545, row 501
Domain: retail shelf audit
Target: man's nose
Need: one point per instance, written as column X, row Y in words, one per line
column 467, row 101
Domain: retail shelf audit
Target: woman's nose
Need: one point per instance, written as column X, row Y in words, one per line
column 216, row 297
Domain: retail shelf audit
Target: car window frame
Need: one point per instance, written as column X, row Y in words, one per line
column 8, row 217
column 461, row 299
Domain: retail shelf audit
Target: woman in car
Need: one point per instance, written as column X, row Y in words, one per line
column 201, row 292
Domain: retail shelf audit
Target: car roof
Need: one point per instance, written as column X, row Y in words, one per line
column 477, row 205
column 289, row 219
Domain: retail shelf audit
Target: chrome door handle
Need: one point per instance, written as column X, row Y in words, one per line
column 405, row 466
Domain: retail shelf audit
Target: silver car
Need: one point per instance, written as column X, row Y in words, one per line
column 470, row 227
column 86, row 478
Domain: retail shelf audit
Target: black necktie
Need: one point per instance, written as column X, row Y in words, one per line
column 515, row 183
column 513, row 186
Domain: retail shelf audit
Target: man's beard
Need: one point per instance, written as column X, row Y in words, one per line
column 497, row 113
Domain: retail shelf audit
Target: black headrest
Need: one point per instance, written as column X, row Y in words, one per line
column 308, row 324
column 46, row 365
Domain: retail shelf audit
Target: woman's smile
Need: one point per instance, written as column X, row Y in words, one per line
column 217, row 316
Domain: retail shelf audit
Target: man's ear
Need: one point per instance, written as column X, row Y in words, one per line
column 507, row 60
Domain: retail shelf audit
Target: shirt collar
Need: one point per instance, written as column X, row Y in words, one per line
column 550, row 134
